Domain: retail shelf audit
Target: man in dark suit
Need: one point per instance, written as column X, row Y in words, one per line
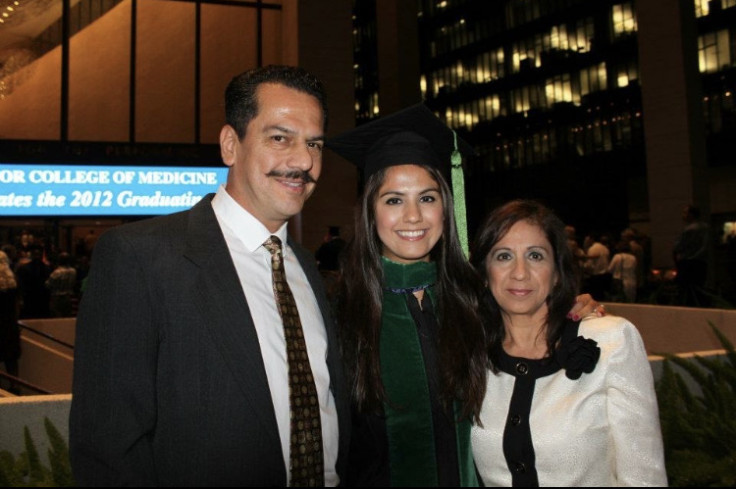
column 181, row 372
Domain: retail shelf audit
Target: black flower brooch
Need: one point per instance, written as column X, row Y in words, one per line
column 578, row 356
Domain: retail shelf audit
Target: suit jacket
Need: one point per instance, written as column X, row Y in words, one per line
column 169, row 382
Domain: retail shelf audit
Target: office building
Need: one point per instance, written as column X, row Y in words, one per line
column 616, row 113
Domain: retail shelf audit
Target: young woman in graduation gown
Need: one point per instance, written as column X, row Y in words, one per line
column 410, row 309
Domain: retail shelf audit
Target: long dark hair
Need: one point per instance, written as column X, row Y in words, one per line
column 461, row 343
column 562, row 295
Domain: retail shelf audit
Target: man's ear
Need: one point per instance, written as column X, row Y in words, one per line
column 228, row 144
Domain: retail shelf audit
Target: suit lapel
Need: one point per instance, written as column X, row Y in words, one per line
column 222, row 301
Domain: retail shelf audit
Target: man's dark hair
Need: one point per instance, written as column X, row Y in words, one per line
column 241, row 102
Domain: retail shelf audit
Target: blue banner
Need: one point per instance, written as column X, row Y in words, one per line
column 75, row 190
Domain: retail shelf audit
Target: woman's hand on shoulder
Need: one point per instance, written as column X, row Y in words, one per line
column 585, row 305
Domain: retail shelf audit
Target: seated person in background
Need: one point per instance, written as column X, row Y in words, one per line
column 568, row 403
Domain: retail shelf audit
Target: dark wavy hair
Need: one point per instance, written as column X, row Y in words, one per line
column 461, row 342
column 241, row 103
column 562, row 296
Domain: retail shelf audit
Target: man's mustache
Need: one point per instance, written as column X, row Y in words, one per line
column 302, row 175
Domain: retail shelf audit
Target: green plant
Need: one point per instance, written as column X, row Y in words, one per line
column 699, row 428
column 28, row 471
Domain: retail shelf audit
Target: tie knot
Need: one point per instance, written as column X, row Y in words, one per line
column 273, row 245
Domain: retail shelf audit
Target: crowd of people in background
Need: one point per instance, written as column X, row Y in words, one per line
column 47, row 282
column 617, row 267
column 37, row 281
column 613, row 269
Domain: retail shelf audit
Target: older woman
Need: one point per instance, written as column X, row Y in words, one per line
column 569, row 403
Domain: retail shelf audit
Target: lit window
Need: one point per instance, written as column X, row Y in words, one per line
column 602, row 76
column 714, row 51
column 423, row 85
column 459, row 71
column 469, row 120
column 493, row 106
column 481, row 74
column 558, row 89
column 702, row 8
column 558, row 38
column 521, row 100
column 583, row 35
column 623, row 19
column 516, row 61
column 593, row 79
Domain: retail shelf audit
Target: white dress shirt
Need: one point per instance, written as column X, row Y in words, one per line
column 245, row 236
column 600, row 430
column 623, row 267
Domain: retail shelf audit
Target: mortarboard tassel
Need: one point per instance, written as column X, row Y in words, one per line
column 458, row 190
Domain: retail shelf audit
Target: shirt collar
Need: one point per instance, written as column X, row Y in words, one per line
column 244, row 225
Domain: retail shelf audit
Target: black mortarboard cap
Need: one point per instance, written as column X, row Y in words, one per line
column 412, row 135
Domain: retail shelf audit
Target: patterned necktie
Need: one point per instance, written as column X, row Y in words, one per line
column 307, row 468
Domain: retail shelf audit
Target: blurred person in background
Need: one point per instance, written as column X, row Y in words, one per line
column 62, row 284
column 690, row 254
column 597, row 278
column 623, row 270
column 9, row 333
column 31, row 278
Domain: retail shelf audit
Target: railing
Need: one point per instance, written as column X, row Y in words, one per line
column 24, row 326
column 15, row 381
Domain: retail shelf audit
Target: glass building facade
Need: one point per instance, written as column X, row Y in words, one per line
column 549, row 94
